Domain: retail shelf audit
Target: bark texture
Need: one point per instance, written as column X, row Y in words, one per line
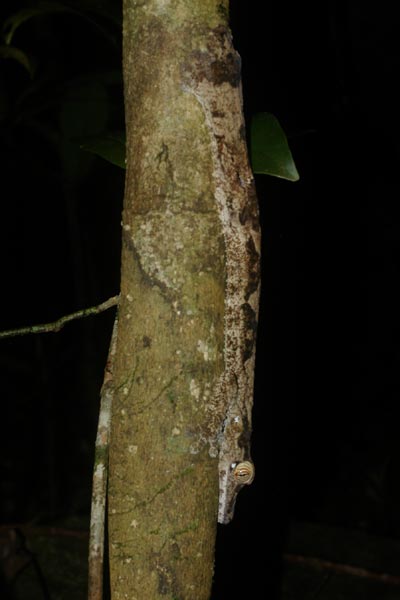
column 171, row 355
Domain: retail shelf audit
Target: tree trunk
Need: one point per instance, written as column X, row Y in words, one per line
column 183, row 370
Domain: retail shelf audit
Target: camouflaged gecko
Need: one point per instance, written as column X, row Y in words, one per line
column 212, row 76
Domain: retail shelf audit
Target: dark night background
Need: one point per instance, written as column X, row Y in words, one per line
column 326, row 430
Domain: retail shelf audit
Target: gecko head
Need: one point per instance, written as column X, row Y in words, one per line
column 232, row 478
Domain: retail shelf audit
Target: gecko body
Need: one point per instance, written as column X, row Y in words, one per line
column 212, row 76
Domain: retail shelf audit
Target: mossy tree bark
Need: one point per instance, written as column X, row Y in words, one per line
column 171, row 355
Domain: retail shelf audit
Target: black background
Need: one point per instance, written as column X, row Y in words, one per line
column 326, row 442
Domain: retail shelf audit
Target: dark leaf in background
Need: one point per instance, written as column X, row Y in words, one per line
column 110, row 146
column 270, row 152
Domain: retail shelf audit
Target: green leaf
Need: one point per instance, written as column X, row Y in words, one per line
column 270, row 152
column 110, row 146
column 11, row 24
column 84, row 113
column 90, row 10
column 18, row 55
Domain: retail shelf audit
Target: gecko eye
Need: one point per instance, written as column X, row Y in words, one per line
column 243, row 472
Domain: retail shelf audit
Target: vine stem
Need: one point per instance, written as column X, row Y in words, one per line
column 55, row 326
column 100, row 477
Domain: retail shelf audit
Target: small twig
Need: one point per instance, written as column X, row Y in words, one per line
column 59, row 324
column 100, row 477
column 342, row 569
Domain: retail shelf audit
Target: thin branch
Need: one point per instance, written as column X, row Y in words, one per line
column 100, row 478
column 59, row 324
column 30, row 530
column 342, row 569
